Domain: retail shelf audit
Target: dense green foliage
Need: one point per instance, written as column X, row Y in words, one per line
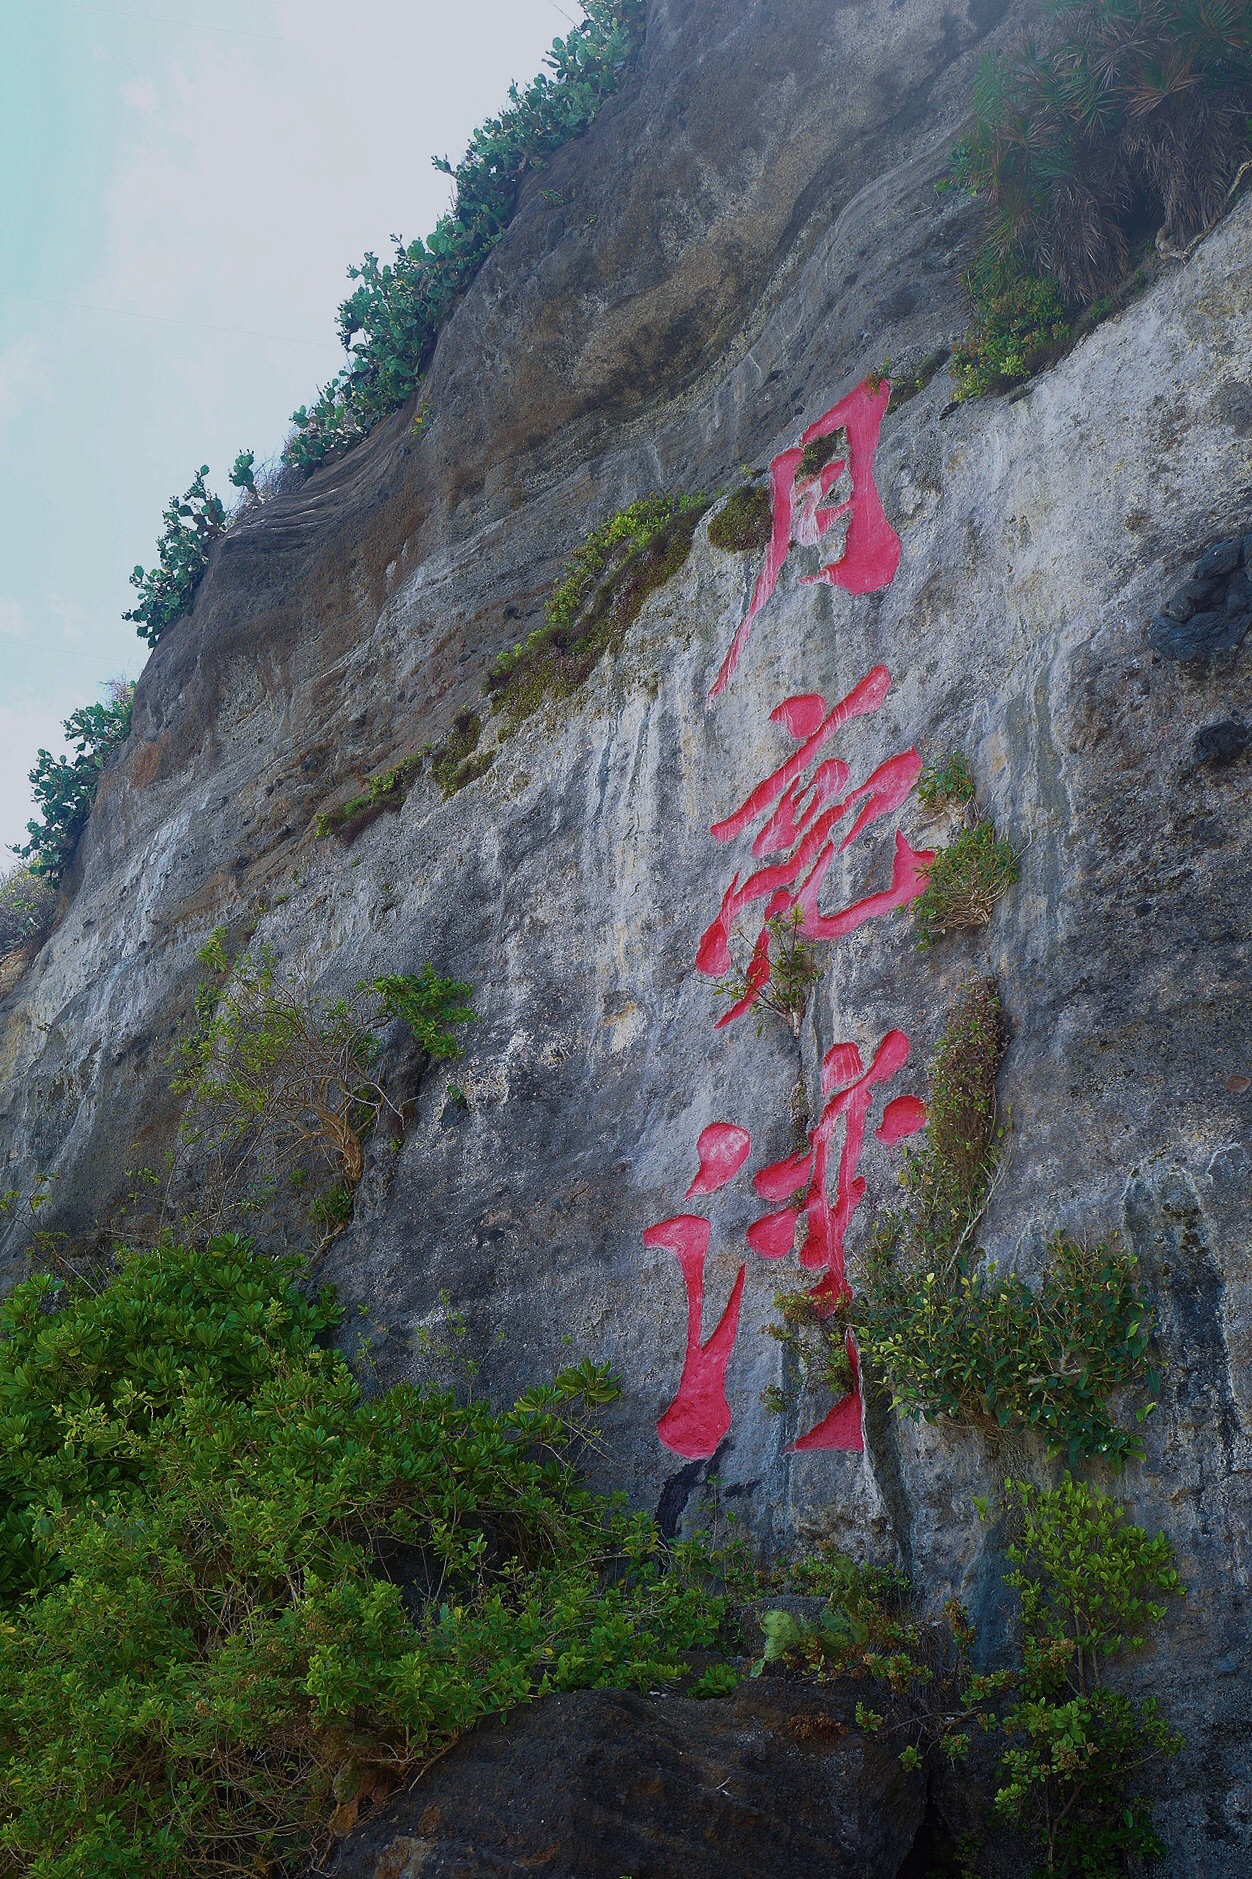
column 64, row 787
column 1128, row 112
column 1020, row 324
column 955, row 1338
column 1090, row 1586
column 964, row 882
column 390, row 323
column 983, row 1347
column 255, row 1597
column 744, row 521
column 192, row 524
column 27, row 904
column 596, row 601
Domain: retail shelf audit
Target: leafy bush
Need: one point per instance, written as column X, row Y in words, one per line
column 1020, row 324
column 979, row 1347
column 1128, row 108
column 1090, row 1586
column 946, row 785
column 390, row 323
column 256, row 1599
column 166, row 592
column 276, row 1073
column 596, row 602
column 956, row 1339
column 65, row 787
column 27, row 904
column 744, row 522
column 964, row 882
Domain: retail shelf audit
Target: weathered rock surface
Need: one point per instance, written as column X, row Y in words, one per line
column 745, row 232
column 602, row 1783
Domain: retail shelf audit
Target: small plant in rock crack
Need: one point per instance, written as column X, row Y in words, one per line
column 817, row 1342
column 744, row 523
column 946, row 785
column 794, row 971
column 277, row 1074
column 964, row 882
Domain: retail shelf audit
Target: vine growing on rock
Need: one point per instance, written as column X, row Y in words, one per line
column 596, row 602
column 392, row 319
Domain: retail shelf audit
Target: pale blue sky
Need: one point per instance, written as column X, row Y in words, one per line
column 182, row 186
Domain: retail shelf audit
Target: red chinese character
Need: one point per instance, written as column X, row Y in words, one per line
column 699, row 1415
column 806, row 809
column 871, row 548
column 803, row 1181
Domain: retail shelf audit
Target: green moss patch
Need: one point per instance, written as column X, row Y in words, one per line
column 596, row 602
column 744, row 522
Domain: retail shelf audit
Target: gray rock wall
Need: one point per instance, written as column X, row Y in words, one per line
column 748, row 229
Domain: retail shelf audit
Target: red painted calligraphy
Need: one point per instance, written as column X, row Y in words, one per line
column 803, row 1181
column 803, row 805
column 802, row 514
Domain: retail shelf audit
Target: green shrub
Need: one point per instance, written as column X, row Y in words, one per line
column 390, row 323
column 255, row 1598
column 975, row 1346
column 964, row 882
column 275, row 1072
column 794, row 971
column 596, row 602
column 1090, row 1587
column 744, row 522
column 64, row 788
column 956, row 1339
column 946, row 785
column 28, row 902
column 166, row 592
column 1020, row 324
column 1126, row 108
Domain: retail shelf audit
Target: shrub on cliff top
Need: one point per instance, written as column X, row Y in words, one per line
column 1130, row 112
column 390, row 323
column 256, row 1599
column 192, row 524
column 64, row 788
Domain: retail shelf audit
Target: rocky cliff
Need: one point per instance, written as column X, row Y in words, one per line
column 749, row 228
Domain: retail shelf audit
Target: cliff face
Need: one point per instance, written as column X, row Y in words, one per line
column 747, row 230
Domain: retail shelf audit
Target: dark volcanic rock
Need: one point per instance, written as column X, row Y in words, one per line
column 1221, row 558
column 1200, row 636
column 1220, row 744
column 768, row 1784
